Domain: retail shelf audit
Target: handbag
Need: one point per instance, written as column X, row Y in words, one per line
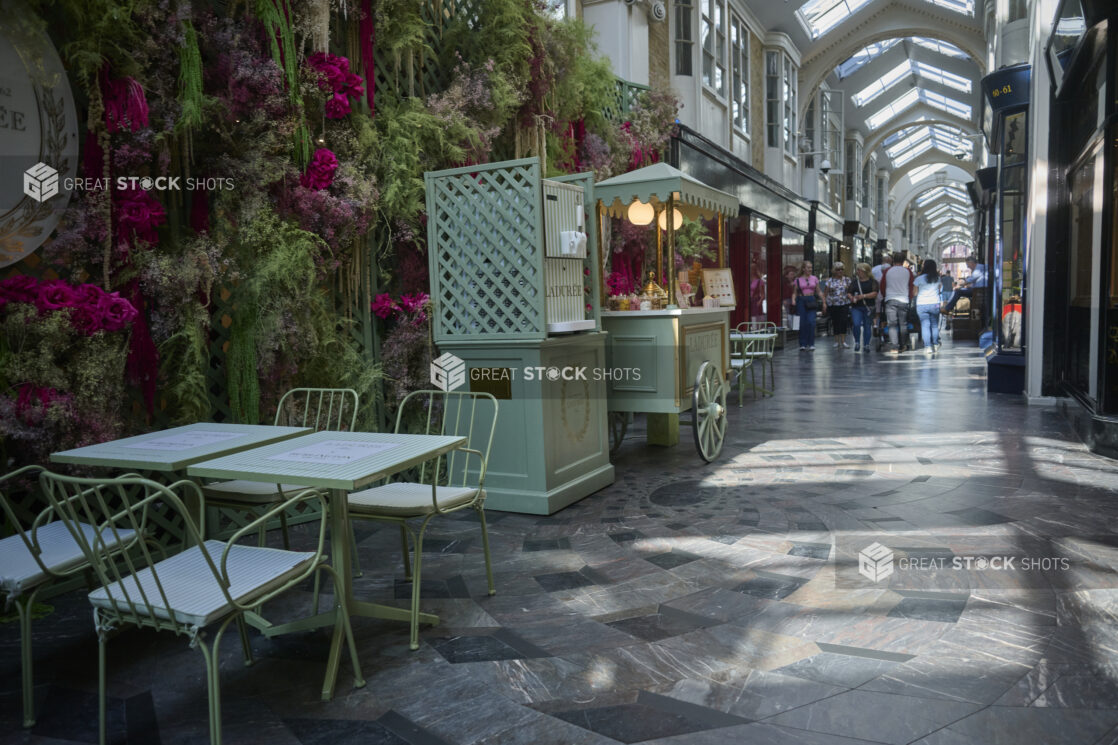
column 810, row 301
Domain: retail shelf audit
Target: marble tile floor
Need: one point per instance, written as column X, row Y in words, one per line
column 690, row 604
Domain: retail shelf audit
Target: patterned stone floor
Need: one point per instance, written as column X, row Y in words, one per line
column 690, row 604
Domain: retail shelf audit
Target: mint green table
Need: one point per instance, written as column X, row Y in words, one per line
column 338, row 462
column 172, row 450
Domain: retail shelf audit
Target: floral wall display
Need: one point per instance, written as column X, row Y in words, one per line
column 257, row 198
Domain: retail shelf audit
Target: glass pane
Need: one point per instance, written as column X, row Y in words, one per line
column 1010, row 309
column 1085, row 233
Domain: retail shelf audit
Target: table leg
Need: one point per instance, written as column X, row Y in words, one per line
column 342, row 562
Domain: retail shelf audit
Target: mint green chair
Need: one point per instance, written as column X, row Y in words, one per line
column 33, row 561
column 452, row 482
column 760, row 351
column 196, row 593
column 333, row 409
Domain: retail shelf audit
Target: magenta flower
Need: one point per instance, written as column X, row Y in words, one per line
column 354, row 85
column 22, row 288
column 414, row 303
column 116, row 312
column 88, row 295
column 383, row 306
column 55, row 295
column 320, row 171
column 338, row 107
column 138, row 214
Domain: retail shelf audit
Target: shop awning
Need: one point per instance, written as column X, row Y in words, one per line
column 655, row 184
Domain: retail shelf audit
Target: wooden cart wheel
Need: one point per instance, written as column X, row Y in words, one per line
column 618, row 426
column 708, row 404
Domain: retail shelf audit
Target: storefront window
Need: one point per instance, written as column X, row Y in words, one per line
column 822, row 255
column 1085, row 190
column 792, row 255
column 758, row 270
column 1010, row 278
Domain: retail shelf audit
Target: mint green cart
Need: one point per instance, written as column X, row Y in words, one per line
column 674, row 360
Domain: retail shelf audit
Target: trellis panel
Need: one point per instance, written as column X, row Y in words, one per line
column 484, row 232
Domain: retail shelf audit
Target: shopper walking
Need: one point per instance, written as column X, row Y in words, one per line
column 896, row 287
column 807, row 297
column 863, row 297
column 837, row 292
column 927, row 288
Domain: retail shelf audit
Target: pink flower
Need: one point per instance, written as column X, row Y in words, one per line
column 88, row 295
column 383, row 306
column 138, row 214
column 116, row 312
column 338, row 107
column 414, row 303
column 320, row 171
column 55, row 295
column 354, row 85
column 22, row 288
column 87, row 319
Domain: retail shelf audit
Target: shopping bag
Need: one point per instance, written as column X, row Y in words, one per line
column 795, row 323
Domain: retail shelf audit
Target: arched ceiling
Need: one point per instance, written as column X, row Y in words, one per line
column 904, row 68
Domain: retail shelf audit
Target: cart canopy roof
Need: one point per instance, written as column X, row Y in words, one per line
column 655, row 184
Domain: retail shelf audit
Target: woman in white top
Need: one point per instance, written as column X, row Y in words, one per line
column 927, row 305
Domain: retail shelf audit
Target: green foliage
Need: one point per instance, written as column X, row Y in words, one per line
column 692, row 241
column 584, row 82
column 500, row 32
column 97, row 31
column 191, row 98
column 184, row 359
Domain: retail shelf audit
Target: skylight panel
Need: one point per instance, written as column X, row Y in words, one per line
column 943, row 77
column 882, row 84
column 820, row 16
column 922, row 147
column 941, row 47
column 912, row 137
column 966, row 7
column 950, row 105
column 905, row 101
column 869, row 53
column 940, row 221
column 951, row 192
column 923, row 172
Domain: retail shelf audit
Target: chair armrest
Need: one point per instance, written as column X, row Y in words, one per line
column 254, row 526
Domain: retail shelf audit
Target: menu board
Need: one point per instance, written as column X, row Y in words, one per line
column 334, row 452
column 719, row 283
column 184, row 440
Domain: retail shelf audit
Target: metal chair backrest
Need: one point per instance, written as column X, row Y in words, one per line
column 462, row 413
column 15, row 524
column 324, row 409
column 117, row 515
column 120, row 512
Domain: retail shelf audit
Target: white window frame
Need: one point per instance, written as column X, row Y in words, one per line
column 684, row 9
column 712, row 28
column 739, row 76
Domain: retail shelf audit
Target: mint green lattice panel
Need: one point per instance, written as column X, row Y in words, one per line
column 485, row 251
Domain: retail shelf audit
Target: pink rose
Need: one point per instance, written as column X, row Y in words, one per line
column 89, row 295
column 320, row 171
column 354, row 85
column 55, row 295
column 337, row 107
column 116, row 312
column 22, row 288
